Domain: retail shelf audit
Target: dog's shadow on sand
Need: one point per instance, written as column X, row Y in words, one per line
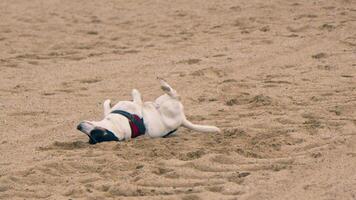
column 66, row 145
column 138, row 143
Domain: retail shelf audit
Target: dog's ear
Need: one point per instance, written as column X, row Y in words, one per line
column 99, row 135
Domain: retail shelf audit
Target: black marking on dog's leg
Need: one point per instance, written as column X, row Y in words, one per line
column 165, row 88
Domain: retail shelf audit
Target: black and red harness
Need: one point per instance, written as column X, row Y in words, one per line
column 136, row 123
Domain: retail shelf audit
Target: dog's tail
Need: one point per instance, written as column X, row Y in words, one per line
column 202, row 128
column 168, row 89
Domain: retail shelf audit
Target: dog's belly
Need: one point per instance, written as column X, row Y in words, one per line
column 129, row 107
column 152, row 120
column 159, row 120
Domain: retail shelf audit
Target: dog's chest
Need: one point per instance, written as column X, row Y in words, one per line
column 136, row 123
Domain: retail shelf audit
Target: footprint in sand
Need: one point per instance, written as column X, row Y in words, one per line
column 298, row 29
column 73, row 87
column 192, row 155
column 210, row 72
column 90, row 80
column 261, row 100
column 327, row 27
column 190, row 61
column 319, row 55
column 29, row 113
column 350, row 41
column 124, row 52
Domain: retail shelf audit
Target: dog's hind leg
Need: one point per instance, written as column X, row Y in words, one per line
column 168, row 89
column 107, row 107
column 136, row 97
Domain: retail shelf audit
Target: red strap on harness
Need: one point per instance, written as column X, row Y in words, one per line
column 135, row 132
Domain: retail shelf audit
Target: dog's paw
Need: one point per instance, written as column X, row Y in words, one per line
column 107, row 103
column 164, row 85
column 107, row 106
column 136, row 96
column 135, row 93
column 165, row 88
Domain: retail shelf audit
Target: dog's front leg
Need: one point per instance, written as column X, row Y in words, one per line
column 107, row 107
column 136, row 97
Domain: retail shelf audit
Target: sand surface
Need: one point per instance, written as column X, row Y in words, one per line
column 278, row 77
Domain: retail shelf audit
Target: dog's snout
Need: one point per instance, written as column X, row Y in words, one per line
column 79, row 127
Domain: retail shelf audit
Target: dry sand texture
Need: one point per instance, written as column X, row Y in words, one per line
column 277, row 76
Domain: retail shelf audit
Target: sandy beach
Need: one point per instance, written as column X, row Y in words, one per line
column 278, row 77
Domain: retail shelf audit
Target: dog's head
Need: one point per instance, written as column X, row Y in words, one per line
column 100, row 131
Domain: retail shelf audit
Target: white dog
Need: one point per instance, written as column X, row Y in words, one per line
column 129, row 119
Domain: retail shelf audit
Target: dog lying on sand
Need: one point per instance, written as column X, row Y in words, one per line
column 130, row 119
